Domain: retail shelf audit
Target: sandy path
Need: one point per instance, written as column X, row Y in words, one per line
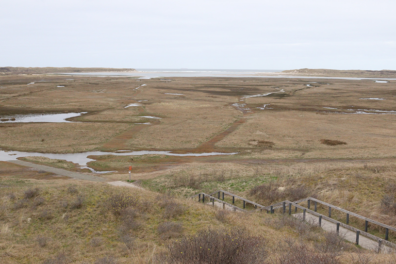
column 75, row 175
column 124, row 184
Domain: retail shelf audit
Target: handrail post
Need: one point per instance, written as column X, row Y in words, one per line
column 357, row 237
column 203, row 198
column 223, row 205
column 272, row 209
column 330, row 211
column 233, row 199
column 387, row 234
column 347, row 220
column 320, row 220
column 338, row 228
column 366, row 226
column 309, row 204
column 218, row 195
column 213, row 202
column 290, row 206
column 304, row 214
column 223, row 196
column 316, row 206
column 379, row 245
column 244, row 204
column 284, row 207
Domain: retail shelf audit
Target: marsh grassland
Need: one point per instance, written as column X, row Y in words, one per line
column 291, row 138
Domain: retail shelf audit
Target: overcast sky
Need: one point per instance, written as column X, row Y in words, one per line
column 211, row 34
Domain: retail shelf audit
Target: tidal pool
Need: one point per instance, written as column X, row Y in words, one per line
column 134, row 104
column 40, row 118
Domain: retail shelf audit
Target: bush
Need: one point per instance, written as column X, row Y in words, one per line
column 42, row 241
column 221, row 215
column 216, row 246
column 170, row 230
column 78, row 203
column 334, row 243
column 388, row 204
column 128, row 217
column 45, row 215
column 172, row 209
column 20, row 204
column 302, row 228
column 300, row 253
column 270, row 192
column 72, row 190
column 119, row 202
column 31, row 193
column 38, row 201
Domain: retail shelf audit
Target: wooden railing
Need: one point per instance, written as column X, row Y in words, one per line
column 271, row 208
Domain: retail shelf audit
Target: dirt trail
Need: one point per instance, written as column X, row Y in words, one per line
column 209, row 146
column 75, row 175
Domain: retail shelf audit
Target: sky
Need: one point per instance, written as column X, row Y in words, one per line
column 204, row 34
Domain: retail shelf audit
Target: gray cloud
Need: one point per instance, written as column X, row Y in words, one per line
column 199, row 34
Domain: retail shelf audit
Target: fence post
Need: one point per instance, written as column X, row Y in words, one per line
column 338, row 228
column 199, row 198
column 223, row 196
column 290, row 205
column 203, row 198
column 366, row 226
column 244, row 204
column 309, row 204
column 304, row 214
column 316, row 206
column 347, row 220
column 379, row 245
column 233, row 199
column 284, row 207
column 213, row 202
column 320, row 220
column 272, row 209
column 357, row 237
column 387, row 234
column 329, row 211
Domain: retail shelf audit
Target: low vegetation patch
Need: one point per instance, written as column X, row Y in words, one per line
column 330, row 142
column 216, row 246
column 274, row 192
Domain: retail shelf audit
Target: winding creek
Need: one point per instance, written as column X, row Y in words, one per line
column 82, row 158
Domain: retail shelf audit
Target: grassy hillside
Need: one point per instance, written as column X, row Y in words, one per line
column 66, row 221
